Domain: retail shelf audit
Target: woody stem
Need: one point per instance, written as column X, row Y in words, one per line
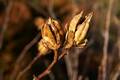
column 47, row 71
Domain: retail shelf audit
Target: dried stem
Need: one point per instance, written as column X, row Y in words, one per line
column 69, row 66
column 5, row 24
column 51, row 75
column 47, row 71
column 72, row 62
column 28, row 67
column 22, row 54
column 102, row 68
column 64, row 52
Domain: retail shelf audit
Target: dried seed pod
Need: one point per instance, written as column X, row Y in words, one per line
column 57, row 25
column 50, row 36
column 77, row 32
column 71, row 30
column 82, row 30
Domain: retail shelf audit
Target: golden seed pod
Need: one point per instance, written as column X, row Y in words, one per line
column 82, row 29
column 51, row 32
column 57, row 25
column 77, row 32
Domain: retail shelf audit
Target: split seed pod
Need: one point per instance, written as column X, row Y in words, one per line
column 77, row 32
column 51, row 34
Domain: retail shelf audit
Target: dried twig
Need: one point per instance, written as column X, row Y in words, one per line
column 72, row 62
column 51, row 75
column 6, row 21
column 47, row 71
column 28, row 67
column 64, row 52
column 102, row 68
column 22, row 54
column 69, row 66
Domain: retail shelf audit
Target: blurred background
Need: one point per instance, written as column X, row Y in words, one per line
column 19, row 37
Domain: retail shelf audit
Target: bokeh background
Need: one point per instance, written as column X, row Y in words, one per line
column 19, row 37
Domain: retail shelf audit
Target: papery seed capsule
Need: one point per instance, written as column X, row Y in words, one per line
column 77, row 32
column 71, row 30
column 82, row 29
column 50, row 36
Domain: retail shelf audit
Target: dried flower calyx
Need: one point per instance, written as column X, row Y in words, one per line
column 76, row 32
column 51, row 35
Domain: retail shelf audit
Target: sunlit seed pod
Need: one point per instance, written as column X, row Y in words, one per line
column 58, row 26
column 76, row 33
column 54, row 30
column 48, row 37
column 55, row 33
column 74, row 21
column 82, row 29
column 71, row 30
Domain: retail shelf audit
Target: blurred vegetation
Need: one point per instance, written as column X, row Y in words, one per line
column 17, row 29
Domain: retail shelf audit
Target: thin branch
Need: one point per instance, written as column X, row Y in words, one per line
column 6, row 21
column 102, row 68
column 22, row 54
column 72, row 62
column 28, row 67
column 47, row 71
column 51, row 75
column 64, row 52
column 69, row 66
column 56, row 58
